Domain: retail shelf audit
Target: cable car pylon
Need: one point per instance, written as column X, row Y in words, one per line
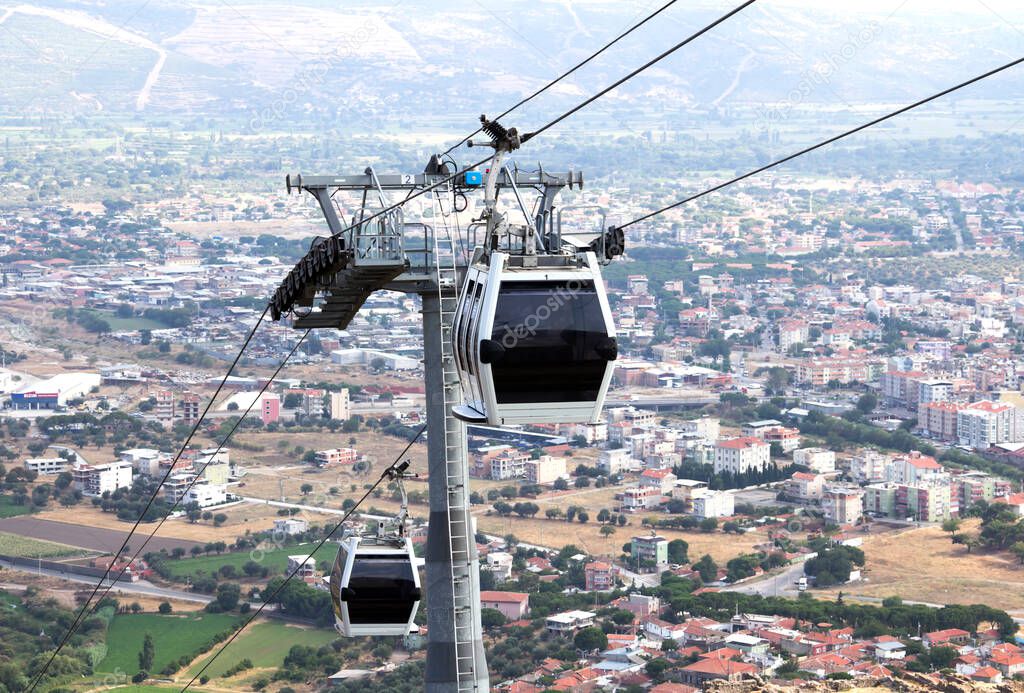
column 328, row 286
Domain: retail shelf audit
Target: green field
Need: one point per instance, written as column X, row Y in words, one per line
column 17, row 545
column 266, row 645
column 136, row 322
column 9, row 509
column 276, row 560
column 173, row 636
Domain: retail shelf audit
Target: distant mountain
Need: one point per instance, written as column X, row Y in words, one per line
column 269, row 64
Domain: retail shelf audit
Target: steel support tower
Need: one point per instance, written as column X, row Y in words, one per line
column 327, row 288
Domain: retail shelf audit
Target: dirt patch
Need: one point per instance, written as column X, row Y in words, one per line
column 924, row 565
column 85, row 535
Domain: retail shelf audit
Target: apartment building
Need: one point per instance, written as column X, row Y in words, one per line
column 652, row 547
column 270, row 408
column 739, row 455
column 641, row 497
column 817, row 460
column 545, row 470
column 706, row 503
column 868, row 467
column 95, row 480
column 598, row 576
column 341, row 405
column 805, row 487
column 986, row 423
column 914, row 469
column 842, row 505
column 616, row 461
column 188, row 408
column 938, row 420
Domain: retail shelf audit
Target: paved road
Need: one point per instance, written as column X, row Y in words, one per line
column 94, row 538
column 141, row 587
column 779, row 585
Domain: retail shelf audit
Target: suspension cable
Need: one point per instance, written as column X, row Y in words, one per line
column 149, row 503
column 824, row 143
column 568, row 72
column 267, row 600
column 692, row 37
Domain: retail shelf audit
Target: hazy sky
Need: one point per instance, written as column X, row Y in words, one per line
column 979, row 7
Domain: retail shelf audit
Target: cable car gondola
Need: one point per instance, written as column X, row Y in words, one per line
column 375, row 585
column 534, row 339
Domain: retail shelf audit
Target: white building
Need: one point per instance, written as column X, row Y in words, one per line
column 95, row 480
column 739, row 455
column 546, row 469
column 641, row 497
column 204, row 494
column 706, row 427
column 145, row 461
column 616, row 461
column 818, row 460
column 934, row 390
column 569, row 621
column 982, row 424
column 47, row 465
column 869, row 467
column 341, row 405
column 290, row 526
column 500, row 565
column 707, row 503
column 304, row 568
column 365, row 357
column 54, row 392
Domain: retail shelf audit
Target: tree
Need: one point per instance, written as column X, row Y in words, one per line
column 492, row 618
column 165, row 608
column 1017, row 549
column 603, row 515
column 590, row 639
column 951, row 525
column 228, row 594
column 583, row 517
column 561, row 484
column 553, row 513
column 708, row 524
column 607, row 530
column 677, row 551
column 147, row 653
column 219, row 519
column 707, row 568
column 867, row 403
column 306, row 489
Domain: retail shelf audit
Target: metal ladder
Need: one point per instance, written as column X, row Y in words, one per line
column 459, row 532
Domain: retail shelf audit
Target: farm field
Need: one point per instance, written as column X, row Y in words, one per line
column 9, row 509
column 173, row 636
column 240, row 518
column 16, row 545
column 79, row 531
column 275, row 559
column 266, row 644
column 924, row 565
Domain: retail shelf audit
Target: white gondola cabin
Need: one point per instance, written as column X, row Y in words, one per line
column 534, row 339
column 375, row 587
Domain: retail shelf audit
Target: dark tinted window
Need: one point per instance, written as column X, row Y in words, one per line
column 550, row 332
column 383, row 590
